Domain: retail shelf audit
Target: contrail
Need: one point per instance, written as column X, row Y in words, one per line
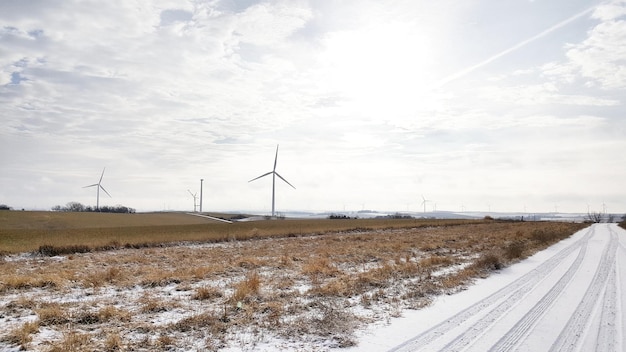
column 465, row 71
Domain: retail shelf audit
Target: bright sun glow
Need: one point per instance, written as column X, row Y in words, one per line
column 384, row 67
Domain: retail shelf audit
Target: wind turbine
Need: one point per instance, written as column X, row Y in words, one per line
column 274, row 174
column 194, row 195
column 98, row 187
column 424, row 200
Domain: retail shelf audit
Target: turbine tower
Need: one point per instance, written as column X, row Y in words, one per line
column 98, row 187
column 194, row 195
column 274, row 174
column 201, row 180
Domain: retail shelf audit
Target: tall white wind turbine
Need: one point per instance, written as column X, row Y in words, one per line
column 424, row 200
column 98, row 187
column 195, row 196
column 274, row 174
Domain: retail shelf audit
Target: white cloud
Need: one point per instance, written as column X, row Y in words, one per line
column 270, row 24
column 599, row 59
column 166, row 92
column 610, row 10
column 541, row 94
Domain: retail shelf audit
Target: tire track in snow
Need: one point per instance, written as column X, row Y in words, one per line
column 524, row 284
column 508, row 341
column 607, row 334
column 570, row 335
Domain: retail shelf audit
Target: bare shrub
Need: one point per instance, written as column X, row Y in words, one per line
column 165, row 341
column 248, row 263
column 273, row 312
column 159, row 278
column 515, row 250
column 51, row 251
column 72, row 341
column 245, row 289
column 22, row 335
column 285, row 261
column 455, row 282
column 113, row 342
column 435, row 261
column 214, row 324
column 52, row 314
column 541, row 236
column 342, row 286
column 21, row 303
column 24, row 282
column 99, row 278
column 109, row 246
column 551, row 233
column 318, row 267
column 16, row 282
column 109, row 313
column 487, row 262
column 88, row 318
column 152, row 305
column 329, row 320
column 206, row 292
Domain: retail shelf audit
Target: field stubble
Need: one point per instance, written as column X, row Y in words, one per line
column 294, row 291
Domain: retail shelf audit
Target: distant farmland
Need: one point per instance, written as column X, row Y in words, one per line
column 27, row 231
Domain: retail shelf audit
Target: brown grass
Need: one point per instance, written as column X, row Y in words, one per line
column 151, row 304
column 22, row 335
column 206, row 293
column 215, row 324
column 54, row 233
column 113, row 342
column 112, row 313
column 53, row 314
column 247, row 288
column 20, row 281
column 304, row 288
column 72, row 342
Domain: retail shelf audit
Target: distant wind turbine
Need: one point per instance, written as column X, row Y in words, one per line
column 424, row 200
column 194, row 195
column 274, row 174
column 98, row 187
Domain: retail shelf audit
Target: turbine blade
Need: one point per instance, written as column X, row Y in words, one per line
column 101, row 176
column 276, row 157
column 105, row 191
column 284, row 180
column 256, row 178
column 95, row 184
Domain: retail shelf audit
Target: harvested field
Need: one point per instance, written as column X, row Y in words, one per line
column 306, row 292
column 28, row 231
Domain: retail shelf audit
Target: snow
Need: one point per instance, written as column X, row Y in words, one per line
column 568, row 297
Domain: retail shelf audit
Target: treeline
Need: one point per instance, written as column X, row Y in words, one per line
column 78, row 207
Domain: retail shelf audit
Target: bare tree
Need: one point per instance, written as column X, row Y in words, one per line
column 594, row 217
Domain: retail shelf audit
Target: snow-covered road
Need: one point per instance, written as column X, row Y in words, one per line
column 566, row 298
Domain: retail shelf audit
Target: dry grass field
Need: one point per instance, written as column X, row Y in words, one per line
column 283, row 288
column 28, row 231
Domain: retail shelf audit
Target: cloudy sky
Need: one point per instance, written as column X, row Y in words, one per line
column 476, row 105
